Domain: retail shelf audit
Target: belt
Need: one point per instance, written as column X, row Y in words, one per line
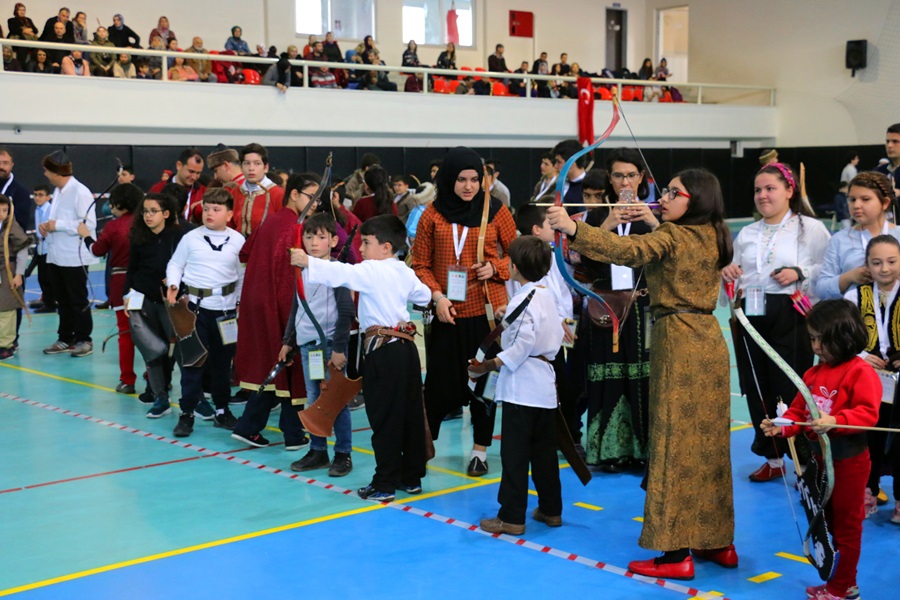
column 680, row 312
column 202, row 293
column 543, row 358
column 379, row 335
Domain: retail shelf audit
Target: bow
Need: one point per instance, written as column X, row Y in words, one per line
column 482, row 231
column 298, row 243
column 8, row 262
column 558, row 251
column 821, row 558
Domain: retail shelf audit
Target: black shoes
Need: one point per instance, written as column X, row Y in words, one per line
column 477, row 467
column 341, row 465
column 314, row 459
column 226, row 420
column 185, row 425
column 256, row 440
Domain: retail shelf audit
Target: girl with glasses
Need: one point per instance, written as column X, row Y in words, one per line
column 689, row 503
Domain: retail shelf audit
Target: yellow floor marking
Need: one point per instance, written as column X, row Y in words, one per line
column 588, row 506
column 58, row 378
column 744, row 426
column 452, row 490
column 532, row 492
column 708, row 595
column 801, row 559
column 762, row 578
column 638, row 519
column 161, row 555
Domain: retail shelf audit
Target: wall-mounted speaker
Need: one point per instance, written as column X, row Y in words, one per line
column 856, row 55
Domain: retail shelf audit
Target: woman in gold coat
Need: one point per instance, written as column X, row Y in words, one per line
column 689, row 504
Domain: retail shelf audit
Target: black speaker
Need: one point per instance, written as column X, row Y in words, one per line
column 855, row 58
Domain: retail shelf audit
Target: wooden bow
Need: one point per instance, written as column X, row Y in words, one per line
column 482, row 231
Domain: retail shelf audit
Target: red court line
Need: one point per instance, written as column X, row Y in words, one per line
column 517, row 541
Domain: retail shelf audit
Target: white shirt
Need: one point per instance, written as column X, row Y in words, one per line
column 197, row 264
column 323, row 305
column 786, row 251
column 848, row 173
column 554, row 282
column 41, row 214
column 525, row 380
column 385, row 287
column 71, row 205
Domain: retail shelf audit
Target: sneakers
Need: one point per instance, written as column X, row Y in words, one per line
column 412, row 489
column 124, row 388
column 766, row 473
column 357, row 402
column 871, row 504
column 226, row 420
column 291, row 446
column 82, row 349
column 477, row 467
column 820, row 592
column 57, row 347
column 185, row 426
column 495, row 525
column 546, row 519
column 882, row 497
column 811, row 591
column 146, row 396
column 160, row 407
column 256, row 440
column 342, row 465
column 240, row 397
column 204, row 410
column 7, row 353
column 895, row 518
column 314, row 459
column 370, row 493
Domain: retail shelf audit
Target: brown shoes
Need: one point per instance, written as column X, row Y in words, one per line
column 549, row 521
column 495, row 525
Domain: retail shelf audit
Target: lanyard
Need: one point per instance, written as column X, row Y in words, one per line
column 8, row 183
column 867, row 237
column 881, row 323
column 623, row 231
column 459, row 243
column 760, row 255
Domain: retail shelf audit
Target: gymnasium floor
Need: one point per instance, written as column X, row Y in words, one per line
column 99, row 502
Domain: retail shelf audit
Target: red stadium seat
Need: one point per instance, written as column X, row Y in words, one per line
column 463, row 69
column 251, row 77
column 639, row 93
column 454, row 83
column 440, row 86
column 604, row 93
column 500, row 89
column 627, row 93
column 479, row 70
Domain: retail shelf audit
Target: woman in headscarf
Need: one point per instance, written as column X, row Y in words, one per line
column 19, row 20
column 162, row 31
column 446, row 252
column 122, row 35
column 235, row 43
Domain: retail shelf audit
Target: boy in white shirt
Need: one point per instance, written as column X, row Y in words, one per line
column 527, row 388
column 392, row 375
column 207, row 262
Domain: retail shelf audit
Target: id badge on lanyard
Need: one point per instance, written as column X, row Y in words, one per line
column 622, row 278
column 228, row 329
column 888, row 384
column 316, row 365
column 458, row 276
column 756, row 301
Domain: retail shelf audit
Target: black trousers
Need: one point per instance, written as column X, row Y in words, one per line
column 392, row 385
column 69, row 285
column 447, row 381
column 45, row 281
column 785, row 330
column 529, row 438
column 256, row 416
column 218, row 363
column 568, row 395
column 882, row 452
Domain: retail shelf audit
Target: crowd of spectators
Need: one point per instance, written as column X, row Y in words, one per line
column 100, row 60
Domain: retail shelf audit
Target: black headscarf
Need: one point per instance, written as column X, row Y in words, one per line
column 452, row 207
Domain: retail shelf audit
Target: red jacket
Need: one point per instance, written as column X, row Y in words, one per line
column 193, row 211
column 114, row 239
column 365, row 208
column 262, row 206
column 850, row 392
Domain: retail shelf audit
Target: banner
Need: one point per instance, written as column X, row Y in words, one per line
column 585, row 111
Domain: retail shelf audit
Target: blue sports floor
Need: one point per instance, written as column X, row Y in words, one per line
column 99, row 502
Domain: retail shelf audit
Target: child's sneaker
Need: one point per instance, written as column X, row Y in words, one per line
column 297, row 445
column 185, row 426
column 370, row 493
column 57, row 347
column 816, row 592
column 342, row 465
column 82, row 349
column 226, row 420
column 895, row 518
column 7, row 353
column 204, row 410
column 477, row 467
column 871, row 504
column 256, row 440
column 160, row 407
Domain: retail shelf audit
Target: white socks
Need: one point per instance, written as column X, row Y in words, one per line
column 482, row 454
column 776, row 463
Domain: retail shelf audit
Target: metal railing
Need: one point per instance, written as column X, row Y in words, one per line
column 699, row 90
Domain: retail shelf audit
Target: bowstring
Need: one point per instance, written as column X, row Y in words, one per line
column 641, row 152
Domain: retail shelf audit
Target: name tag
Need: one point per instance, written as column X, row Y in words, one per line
column 228, row 329
column 490, row 387
column 622, row 277
column 756, row 301
column 316, row 365
column 457, row 282
column 571, row 325
column 135, row 300
column 888, row 384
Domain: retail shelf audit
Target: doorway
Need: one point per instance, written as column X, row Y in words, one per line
column 616, row 34
column 672, row 40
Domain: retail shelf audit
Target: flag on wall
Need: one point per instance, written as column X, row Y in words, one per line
column 585, row 111
column 452, row 29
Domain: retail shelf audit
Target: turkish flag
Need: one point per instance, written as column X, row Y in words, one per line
column 452, row 28
column 585, row 111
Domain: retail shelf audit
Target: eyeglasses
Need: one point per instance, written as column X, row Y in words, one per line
column 670, row 195
column 622, row 176
column 151, row 211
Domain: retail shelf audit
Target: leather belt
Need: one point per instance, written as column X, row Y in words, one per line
column 379, row 335
column 202, row 293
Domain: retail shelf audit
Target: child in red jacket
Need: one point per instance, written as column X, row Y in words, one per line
column 848, row 392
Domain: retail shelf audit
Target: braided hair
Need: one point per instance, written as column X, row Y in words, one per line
column 878, row 183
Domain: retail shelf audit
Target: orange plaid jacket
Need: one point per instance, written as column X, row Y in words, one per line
column 433, row 255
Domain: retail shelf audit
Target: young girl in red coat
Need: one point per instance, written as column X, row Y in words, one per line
column 848, row 392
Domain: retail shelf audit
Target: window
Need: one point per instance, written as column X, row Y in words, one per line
column 425, row 21
column 348, row 19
